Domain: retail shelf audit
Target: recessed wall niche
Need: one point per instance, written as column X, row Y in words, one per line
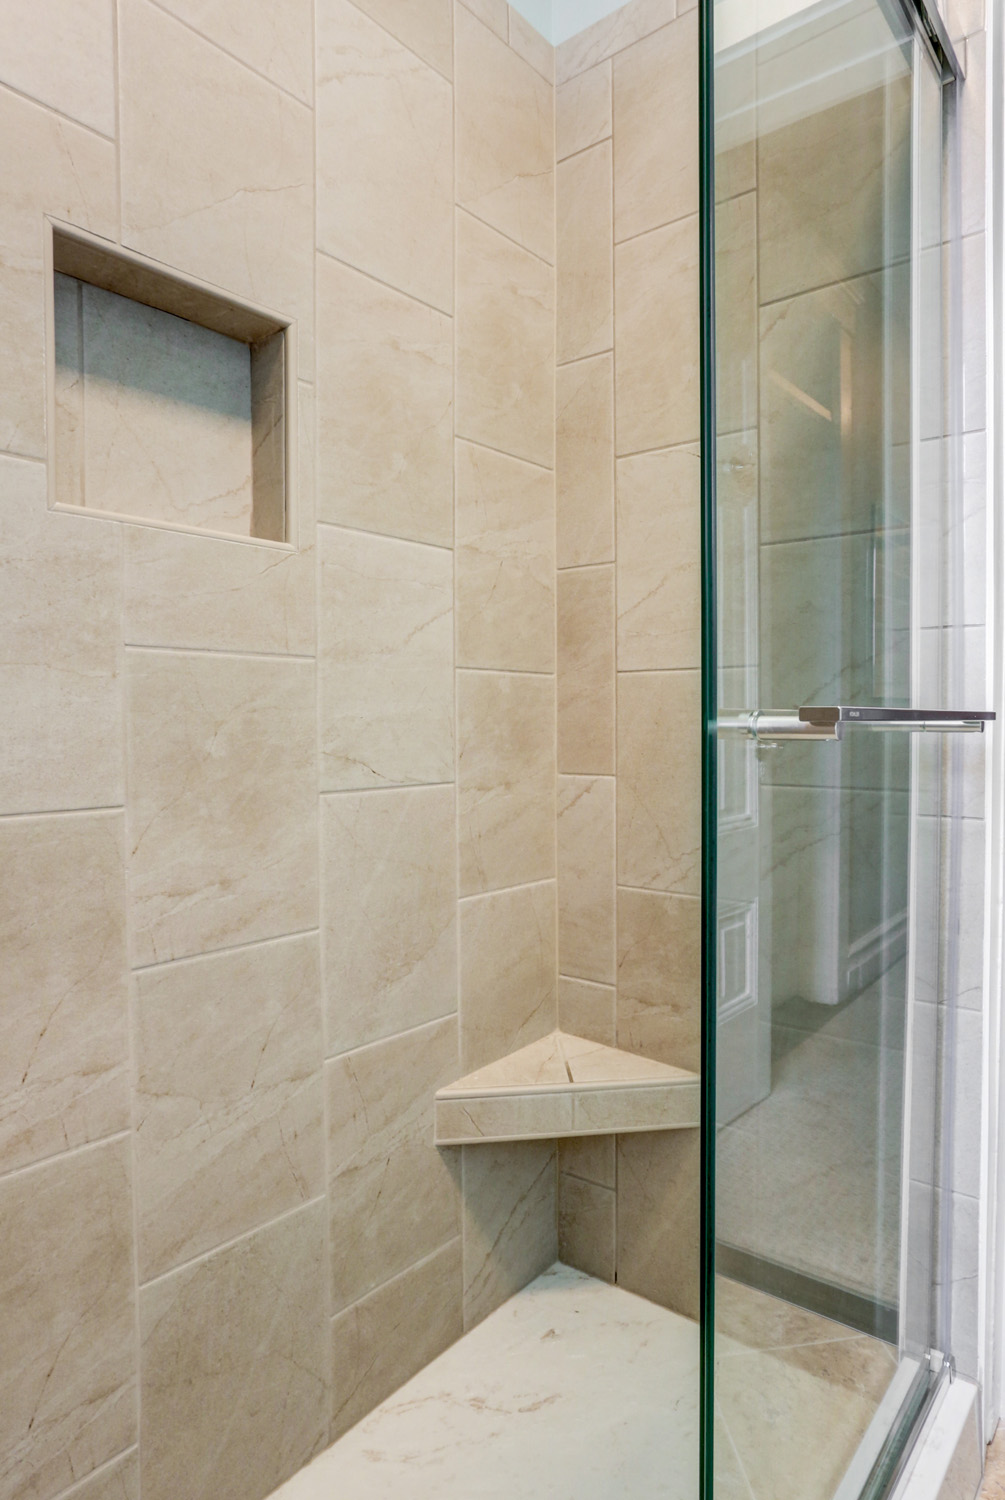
column 170, row 403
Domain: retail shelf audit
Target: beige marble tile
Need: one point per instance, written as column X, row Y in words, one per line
column 584, row 461
column 166, row 417
column 585, row 275
column 235, row 1365
column 637, row 1108
column 228, row 1102
column 751, row 1319
column 426, row 26
column 63, row 55
column 659, row 775
column 60, row 610
column 587, row 1009
column 226, row 193
column 386, row 206
column 385, row 1339
column 659, row 560
column 505, row 333
column 736, row 305
column 392, row 1195
column 55, row 167
column 656, row 129
column 590, row 1157
column 586, row 877
column 209, row 594
column 993, row 1487
column 505, row 779
column 586, row 1226
column 530, row 44
column 594, row 1065
column 278, row 43
column 540, row 1065
column 494, row 13
column 510, row 1233
column 222, row 821
column 583, row 111
column 119, row 1480
column 586, row 671
column 656, row 314
column 628, row 24
column 64, row 1039
column 505, row 133
column 387, row 651
column 390, row 912
column 659, row 976
column 658, row 1218
column 817, row 184
column 520, row 1117
column 385, row 408
column 66, row 1385
column 508, row 962
column 505, row 568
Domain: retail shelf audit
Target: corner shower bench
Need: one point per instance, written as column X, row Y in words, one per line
column 562, row 1086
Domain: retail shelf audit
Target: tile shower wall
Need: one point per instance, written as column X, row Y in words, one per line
column 629, row 799
column 277, row 825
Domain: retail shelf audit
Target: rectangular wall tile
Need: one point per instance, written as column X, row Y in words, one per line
column 225, row 204
column 659, row 774
column 611, row 34
column 586, row 831
column 659, row 560
column 60, row 610
column 56, row 167
column 656, row 338
column 67, row 1400
column 510, row 1235
column 659, row 977
column 505, row 344
column 208, row 594
column 222, row 816
column 505, row 578
column 386, row 206
column 587, row 1009
column 586, row 671
column 656, row 129
column 583, row 111
column 585, row 276
column 530, row 44
column 387, row 651
column 505, row 137
column 390, row 912
column 659, row 1244
column 278, row 43
column 63, row 55
column 228, row 1111
column 506, row 779
column 426, row 26
column 590, row 1157
column 584, row 461
column 385, row 408
column 64, row 1039
column 508, row 951
column 386, row 1338
column 235, row 1366
column 586, row 1226
column 392, row 1194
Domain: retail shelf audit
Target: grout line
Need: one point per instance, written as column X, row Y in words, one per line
column 219, row 47
column 81, row 1486
column 54, row 109
column 232, row 1243
column 460, row 207
column 394, row 1036
column 384, row 536
column 376, row 791
column 584, row 359
column 192, row 958
column 503, row 890
column 64, row 812
column 631, row 239
column 504, row 453
column 402, row 43
column 582, row 567
column 68, row 1155
column 290, row 656
column 417, row 1265
column 613, row 889
column 581, row 151
column 680, row 447
column 349, row 265
column 647, row 890
column 507, row 672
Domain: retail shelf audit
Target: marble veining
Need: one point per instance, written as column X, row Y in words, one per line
column 521, row 1406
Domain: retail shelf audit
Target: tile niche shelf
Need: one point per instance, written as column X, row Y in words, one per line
column 564, row 1086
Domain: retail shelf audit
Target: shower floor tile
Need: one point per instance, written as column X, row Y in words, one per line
column 573, row 1390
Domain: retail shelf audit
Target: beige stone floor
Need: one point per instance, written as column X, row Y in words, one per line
column 993, row 1487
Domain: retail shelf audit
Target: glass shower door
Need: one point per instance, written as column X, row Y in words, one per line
column 831, row 434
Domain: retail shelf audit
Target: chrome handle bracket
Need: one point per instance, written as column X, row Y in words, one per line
column 830, row 721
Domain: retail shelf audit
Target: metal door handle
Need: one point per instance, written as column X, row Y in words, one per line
column 829, row 722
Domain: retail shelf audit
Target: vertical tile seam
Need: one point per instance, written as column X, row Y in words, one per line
column 616, row 1247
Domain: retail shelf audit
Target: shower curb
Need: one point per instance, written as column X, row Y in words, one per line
column 947, row 1463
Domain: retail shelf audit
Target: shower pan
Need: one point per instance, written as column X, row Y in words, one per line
column 834, row 716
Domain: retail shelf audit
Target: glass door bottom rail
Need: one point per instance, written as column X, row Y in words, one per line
column 578, row 1390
